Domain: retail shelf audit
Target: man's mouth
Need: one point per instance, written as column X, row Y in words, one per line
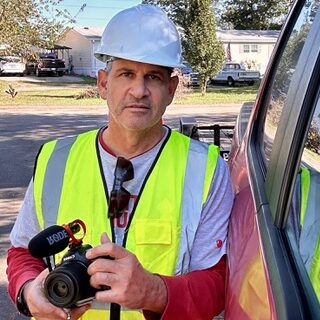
column 137, row 106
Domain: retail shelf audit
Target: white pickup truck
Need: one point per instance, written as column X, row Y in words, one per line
column 234, row 72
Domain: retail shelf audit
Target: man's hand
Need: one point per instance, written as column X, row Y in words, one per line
column 40, row 307
column 131, row 285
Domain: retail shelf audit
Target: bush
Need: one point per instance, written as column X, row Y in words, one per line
column 90, row 92
column 313, row 138
column 183, row 86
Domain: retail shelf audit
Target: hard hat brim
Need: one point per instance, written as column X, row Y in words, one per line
column 105, row 58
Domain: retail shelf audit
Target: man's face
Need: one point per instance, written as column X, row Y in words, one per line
column 137, row 93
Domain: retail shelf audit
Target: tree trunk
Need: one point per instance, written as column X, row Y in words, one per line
column 203, row 87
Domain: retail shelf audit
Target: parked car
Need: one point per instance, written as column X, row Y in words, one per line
column 274, row 244
column 192, row 79
column 47, row 63
column 186, row 69
column 12, row 65
column 233, row 72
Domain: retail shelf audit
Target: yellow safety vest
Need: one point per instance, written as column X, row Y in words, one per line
column 69, row 185
column 310, row 237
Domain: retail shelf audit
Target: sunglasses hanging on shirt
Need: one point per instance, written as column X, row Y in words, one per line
column 119, row 196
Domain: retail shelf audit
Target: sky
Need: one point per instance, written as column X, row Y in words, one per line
column 95, row 13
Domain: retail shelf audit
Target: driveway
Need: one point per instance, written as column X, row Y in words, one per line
column 23, row 130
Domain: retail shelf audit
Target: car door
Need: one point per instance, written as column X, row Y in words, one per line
column 268, row 276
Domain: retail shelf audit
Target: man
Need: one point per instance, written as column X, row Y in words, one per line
column 164, row 222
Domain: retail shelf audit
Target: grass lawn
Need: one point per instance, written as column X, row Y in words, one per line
column 219, row 94
column 57, row 93
column 40, row 93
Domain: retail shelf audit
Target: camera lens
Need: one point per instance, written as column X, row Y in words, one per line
column 67, row 284
column 61, row 289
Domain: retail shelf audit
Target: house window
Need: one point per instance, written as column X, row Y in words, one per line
column 254, row 48
column 246, row 48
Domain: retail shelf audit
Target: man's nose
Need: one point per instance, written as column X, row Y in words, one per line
column 139, row 88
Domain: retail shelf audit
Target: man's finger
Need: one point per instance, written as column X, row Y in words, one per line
column 100, row 279
column 104, row 238
column 102, row 265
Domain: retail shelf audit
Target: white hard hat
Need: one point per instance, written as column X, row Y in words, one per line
column 143, row 33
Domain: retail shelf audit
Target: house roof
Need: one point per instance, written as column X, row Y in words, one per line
column 224, row 35
column 59, row 47
column 269, row 36
column 90, row 32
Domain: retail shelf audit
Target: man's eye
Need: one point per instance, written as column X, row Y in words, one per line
column 126, row 74
column 154, row 77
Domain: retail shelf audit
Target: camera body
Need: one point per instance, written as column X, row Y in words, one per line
column 68, row 285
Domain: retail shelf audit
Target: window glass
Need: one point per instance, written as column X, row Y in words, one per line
column 246, row 48
column 285, row 72
column 303, row 225
column 254, row 48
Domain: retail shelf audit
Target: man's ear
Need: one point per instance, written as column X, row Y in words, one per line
column 173, row 86
column 102, row 83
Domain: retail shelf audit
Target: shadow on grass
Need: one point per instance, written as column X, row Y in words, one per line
column 52, row 84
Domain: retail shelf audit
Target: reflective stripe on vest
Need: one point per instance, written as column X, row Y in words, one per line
column 310, row 222
column 159, row 220
column 305, row 186
column 191, row 207
column 53, row 179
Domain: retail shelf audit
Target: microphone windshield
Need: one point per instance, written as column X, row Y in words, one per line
column 49, row 241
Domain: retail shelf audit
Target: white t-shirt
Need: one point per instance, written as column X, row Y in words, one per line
column 210, row 239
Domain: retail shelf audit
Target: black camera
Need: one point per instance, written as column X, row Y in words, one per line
column 68, row 285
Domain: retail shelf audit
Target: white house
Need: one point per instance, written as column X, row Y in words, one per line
column 84, row 42
column 250, row 47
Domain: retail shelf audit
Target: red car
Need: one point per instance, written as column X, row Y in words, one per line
column 274, row 246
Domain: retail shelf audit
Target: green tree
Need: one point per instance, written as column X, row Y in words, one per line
column 254, row 14
column 176, row 9
column 29, row 24
column 201, row 48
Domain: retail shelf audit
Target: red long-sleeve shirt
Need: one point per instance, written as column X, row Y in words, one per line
column 197, row 295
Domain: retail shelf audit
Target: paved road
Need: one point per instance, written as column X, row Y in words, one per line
column 23, row 130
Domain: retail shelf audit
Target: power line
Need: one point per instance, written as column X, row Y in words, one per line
column 80, row 10
column 85, row 18
column 88, row 6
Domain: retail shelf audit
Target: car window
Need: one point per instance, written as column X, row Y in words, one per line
column 228, row 67
column 48, row 56
column 10, row 59
column 303, row 224
column 285, row 72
